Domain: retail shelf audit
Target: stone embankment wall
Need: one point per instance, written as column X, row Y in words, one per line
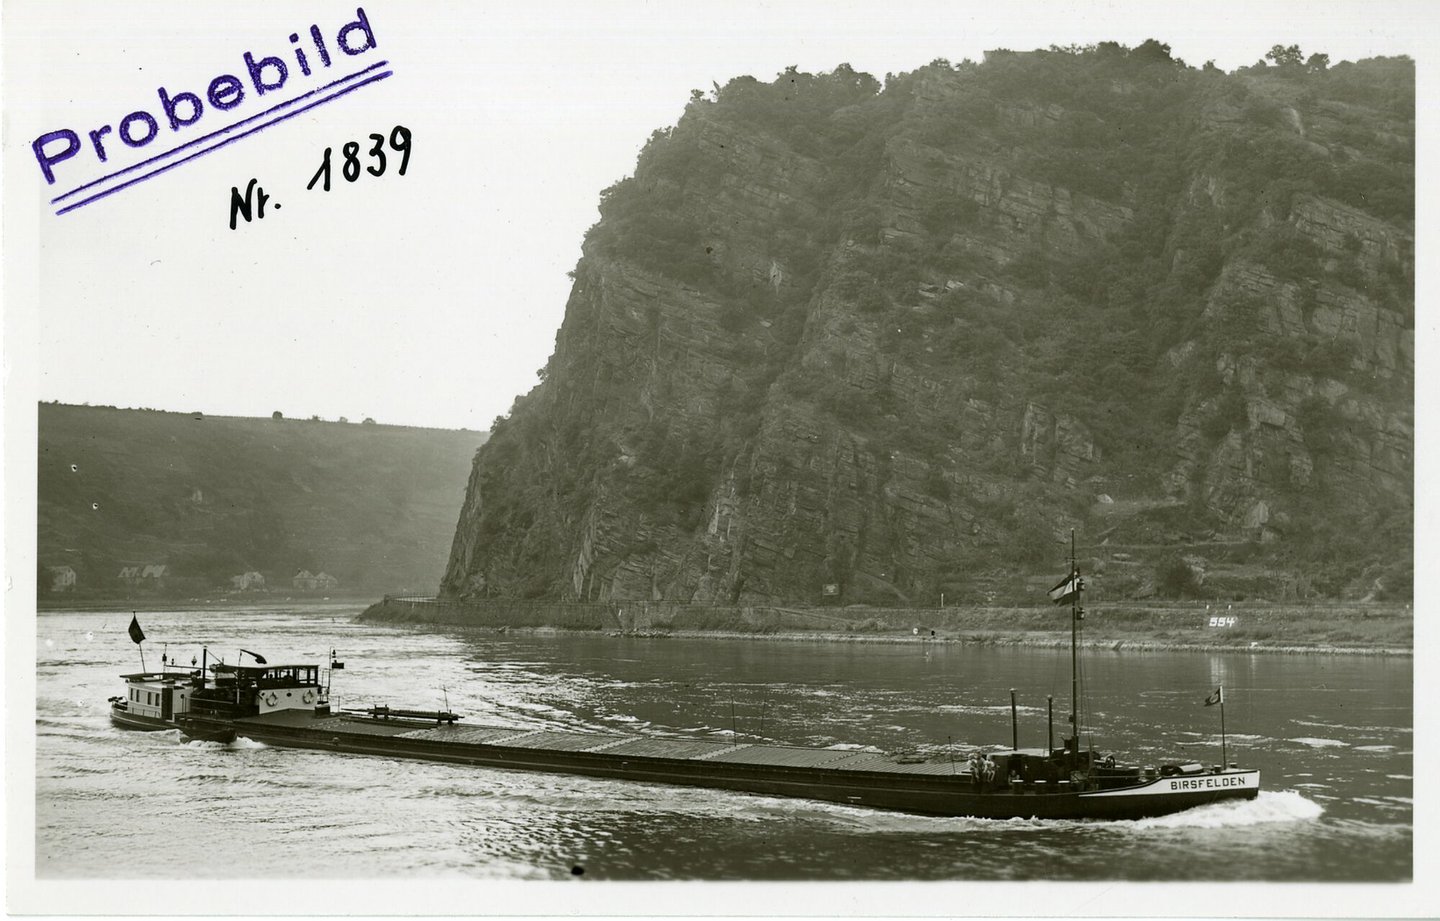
column 618, row 616
column 1370, row 629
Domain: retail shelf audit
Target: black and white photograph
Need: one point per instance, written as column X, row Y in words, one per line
column 628, row 458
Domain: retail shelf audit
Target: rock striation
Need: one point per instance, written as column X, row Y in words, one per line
column 835, row 341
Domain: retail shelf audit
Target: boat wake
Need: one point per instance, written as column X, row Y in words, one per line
column 1319, row 743
column 240, row 744
column 1269, row 806
column 1347, row 726
column 858, row 819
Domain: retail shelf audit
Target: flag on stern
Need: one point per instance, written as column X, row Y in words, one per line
column 136, row 633
column 1217, row 698
column 1067, row 588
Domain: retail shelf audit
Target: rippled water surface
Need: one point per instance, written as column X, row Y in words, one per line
column 1332, row 736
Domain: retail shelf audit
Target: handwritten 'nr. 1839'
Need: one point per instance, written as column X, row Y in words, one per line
column 251, row 205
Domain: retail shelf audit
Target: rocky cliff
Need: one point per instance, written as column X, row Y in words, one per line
column 899, row 340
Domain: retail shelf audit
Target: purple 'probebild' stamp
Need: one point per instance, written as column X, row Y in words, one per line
column 267, row 78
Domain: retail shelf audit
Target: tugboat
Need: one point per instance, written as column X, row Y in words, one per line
column 159, row 700
column 155, row 701
column 1063, row 783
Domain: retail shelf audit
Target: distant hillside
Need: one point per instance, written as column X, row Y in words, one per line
column 212, row 497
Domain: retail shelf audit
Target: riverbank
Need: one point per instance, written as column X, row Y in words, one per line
column 1047, row 642
column 265, row 602
column 1344, row 629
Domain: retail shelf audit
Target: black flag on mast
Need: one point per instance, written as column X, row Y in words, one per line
column 136, row 633
column 1067, row 588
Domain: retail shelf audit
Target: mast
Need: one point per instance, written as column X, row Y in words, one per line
column 1050, row 726
column 1069, row 590
column 1224, row 754
column 1074, row 649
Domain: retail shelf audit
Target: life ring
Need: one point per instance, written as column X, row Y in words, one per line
column 1109, row 761
column 271, row 698
column 309, row 697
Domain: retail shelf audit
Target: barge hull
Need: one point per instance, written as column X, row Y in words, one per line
column 932, row 788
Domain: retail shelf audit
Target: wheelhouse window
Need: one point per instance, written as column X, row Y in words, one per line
column 289, row 676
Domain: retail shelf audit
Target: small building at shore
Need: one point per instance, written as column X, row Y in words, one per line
column 248, row 582
column 314, row 581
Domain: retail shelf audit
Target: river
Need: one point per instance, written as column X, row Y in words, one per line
column 1332, row 736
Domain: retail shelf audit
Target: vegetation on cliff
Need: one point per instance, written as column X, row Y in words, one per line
column 900, row 339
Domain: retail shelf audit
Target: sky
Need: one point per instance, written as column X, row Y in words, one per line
column 430, row 298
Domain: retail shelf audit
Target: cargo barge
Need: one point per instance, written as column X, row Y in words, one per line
column 1061, row 784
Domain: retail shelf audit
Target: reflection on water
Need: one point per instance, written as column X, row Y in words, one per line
column 1332, row 736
